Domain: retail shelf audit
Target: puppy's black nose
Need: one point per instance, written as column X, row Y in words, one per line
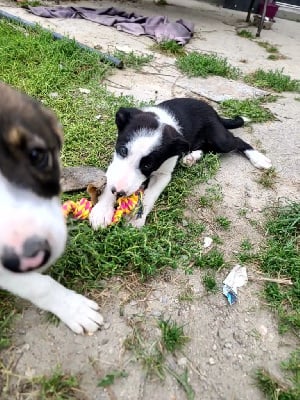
column 35, row 253
column 35, row 244
column 113, row 190
column 10, row 260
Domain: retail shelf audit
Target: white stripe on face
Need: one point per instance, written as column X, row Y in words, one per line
column 124, row 173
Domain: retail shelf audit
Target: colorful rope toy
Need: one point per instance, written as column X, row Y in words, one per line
column 79, row 209
column 124, row 205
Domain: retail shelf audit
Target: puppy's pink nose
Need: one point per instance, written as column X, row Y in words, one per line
column 35, row 253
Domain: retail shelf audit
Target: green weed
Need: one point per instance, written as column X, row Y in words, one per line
column 245, row 34
column 246, row 253
column 110, row 378
column 169, row 47
column 7, row 312
column 267, row 178
column 173, row 337
column 213, row 259
column 223, row 222
column 250, row 108
column 197, row 64
column 269, row 47
column 280, row 257
column 276, row 390
column 274, row 80
column 209, row 282
column 212, row 195
column 58, row 386
column 132, row 59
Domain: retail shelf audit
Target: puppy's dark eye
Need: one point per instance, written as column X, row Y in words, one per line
column 39, row 158
column 123, row 151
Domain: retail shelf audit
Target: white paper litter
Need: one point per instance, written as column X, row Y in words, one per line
column 235, row 279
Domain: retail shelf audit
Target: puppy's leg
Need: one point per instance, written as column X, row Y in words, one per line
column 102, row 213
column 156, row 185
column 256, row 158
column 158, row 181
column 224, row 142
column 76, row 311
column 191, row 158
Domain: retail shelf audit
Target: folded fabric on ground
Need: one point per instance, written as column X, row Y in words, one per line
column 157, row 27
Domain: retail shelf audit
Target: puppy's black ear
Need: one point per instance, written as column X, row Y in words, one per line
column 124, row 115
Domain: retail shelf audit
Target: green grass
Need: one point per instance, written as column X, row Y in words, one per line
column 213, row 259
column 157, row 355
column 133, row 60
column 197, row 64
column 245, row 34
column 209, row 282
column 268, row 47
column 267, row 178
column 280, row 258
column 246, row 253
column 274, row 80
column 110, row 378
column 250, row 108
column 213, row 194
column 223, row 222
column 90, row 133
column 276, row 390
column 57, row 386
column 7, row 312
column 40, row 65
column 173, row 337
column 169, row 47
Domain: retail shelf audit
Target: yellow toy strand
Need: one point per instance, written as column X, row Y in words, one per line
column 124, row 205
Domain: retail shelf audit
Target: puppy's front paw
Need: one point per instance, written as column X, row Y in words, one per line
column 191, row 158
column 101, row 216
column 79, row 313
column 137, row 222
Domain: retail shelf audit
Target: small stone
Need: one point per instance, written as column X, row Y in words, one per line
column 207, row 242
column 182, row 362
column 53, row 94
column 214, row 347
column 211, row 361
column 263, row 330
column 84, row 90
column 97, row 117
column 228, row 345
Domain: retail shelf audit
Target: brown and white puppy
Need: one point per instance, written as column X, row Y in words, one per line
column 32, row 227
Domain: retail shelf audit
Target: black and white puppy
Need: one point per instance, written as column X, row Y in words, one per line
column 150, row 142
column 32, row 227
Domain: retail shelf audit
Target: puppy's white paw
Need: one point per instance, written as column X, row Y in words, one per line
column 258, row 159
column 79, row 313
column 191, row 158
column 137, row 222
column 101, row 215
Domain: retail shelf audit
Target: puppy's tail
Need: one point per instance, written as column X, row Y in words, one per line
column 234, row 123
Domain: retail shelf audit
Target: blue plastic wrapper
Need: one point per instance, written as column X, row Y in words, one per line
column 230, row 294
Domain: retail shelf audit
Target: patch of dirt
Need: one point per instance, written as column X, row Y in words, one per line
column 227, row 343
